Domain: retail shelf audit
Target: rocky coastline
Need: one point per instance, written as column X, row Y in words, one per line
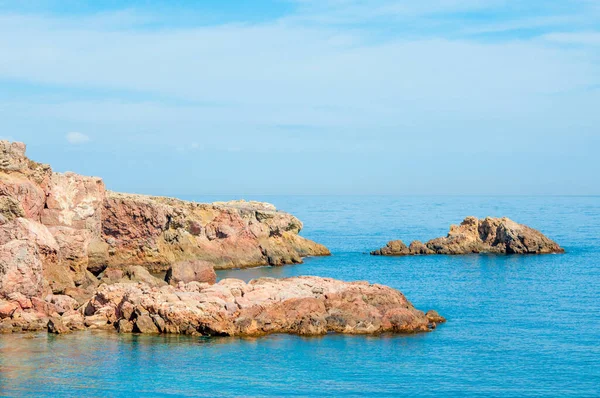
column 75, row 256
column 473, row 235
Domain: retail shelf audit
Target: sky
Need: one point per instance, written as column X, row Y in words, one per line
column 308, row 97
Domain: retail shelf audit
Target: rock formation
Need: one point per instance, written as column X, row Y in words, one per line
column 300, row 305
column 65, row 234
column 490, row 235
column 156, row 232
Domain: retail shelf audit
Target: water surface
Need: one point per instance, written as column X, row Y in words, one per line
column 517, row 325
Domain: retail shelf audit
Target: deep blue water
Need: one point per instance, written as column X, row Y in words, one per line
column 517, row 325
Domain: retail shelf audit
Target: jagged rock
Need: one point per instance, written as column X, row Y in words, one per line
column 75, row 201
column 10, row 208
column 29, row 321
column 160, row 231
column 63, row 303
column 417, row 247
column 434, row 317
column 490, row 235
column 23, row 180
column 97, row 321
column 56, row 326
column 190, row 271
column 301, row 305
column 145, row 324
column 124, row 326
column 7, row 308
column 393, row 248
column 20, row 269
column 73, row 320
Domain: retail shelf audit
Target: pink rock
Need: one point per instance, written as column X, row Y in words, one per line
column 22, row 179
column 30, row 196
column 190, row 271
column 63, row 303
column 20, row 299
column 75, row 201
column 21, row 269
column 7, row 308
column 302, row 305
column 228, row 235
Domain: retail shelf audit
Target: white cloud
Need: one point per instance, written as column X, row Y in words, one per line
column 77, row 138
column 582, row 38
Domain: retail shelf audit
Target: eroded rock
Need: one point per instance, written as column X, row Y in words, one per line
column 490, row 235
column 60, row 232
column 301, row 305
column 191, row 271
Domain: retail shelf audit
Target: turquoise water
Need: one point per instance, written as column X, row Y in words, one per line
column 517, row 325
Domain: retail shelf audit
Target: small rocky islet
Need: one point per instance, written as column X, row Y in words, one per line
column 473, row 235
column 76, row 256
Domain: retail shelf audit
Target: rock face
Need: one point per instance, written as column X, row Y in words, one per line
column 300, row 305
column 490, row 235
column 157, row 232
column 60, row 232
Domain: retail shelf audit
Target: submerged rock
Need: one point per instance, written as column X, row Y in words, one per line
column 300, row 305
column 490, row 235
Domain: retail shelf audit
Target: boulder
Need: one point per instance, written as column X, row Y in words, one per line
column 56, row 326
column 145, row 324
column 63, row 303
column 190, row 271
column 7, row 308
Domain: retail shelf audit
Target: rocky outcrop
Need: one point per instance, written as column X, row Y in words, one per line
column 23, row 183
column 301, row 305
column 490, row 235
column 60, row 232
column 157, row 232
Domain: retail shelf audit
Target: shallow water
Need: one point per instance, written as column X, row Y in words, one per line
column 517, row 325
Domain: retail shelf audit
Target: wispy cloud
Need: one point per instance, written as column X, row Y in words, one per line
column 77, row 138
column 579, row 38
column 334, row 76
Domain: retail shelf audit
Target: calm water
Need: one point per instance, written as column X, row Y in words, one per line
column 517, row 325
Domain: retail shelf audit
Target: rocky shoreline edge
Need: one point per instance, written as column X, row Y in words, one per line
column 308, row 306
column 74, row 256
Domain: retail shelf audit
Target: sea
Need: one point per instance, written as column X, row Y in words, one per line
column 518, row 325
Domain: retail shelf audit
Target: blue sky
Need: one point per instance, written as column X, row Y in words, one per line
column 308, row 96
